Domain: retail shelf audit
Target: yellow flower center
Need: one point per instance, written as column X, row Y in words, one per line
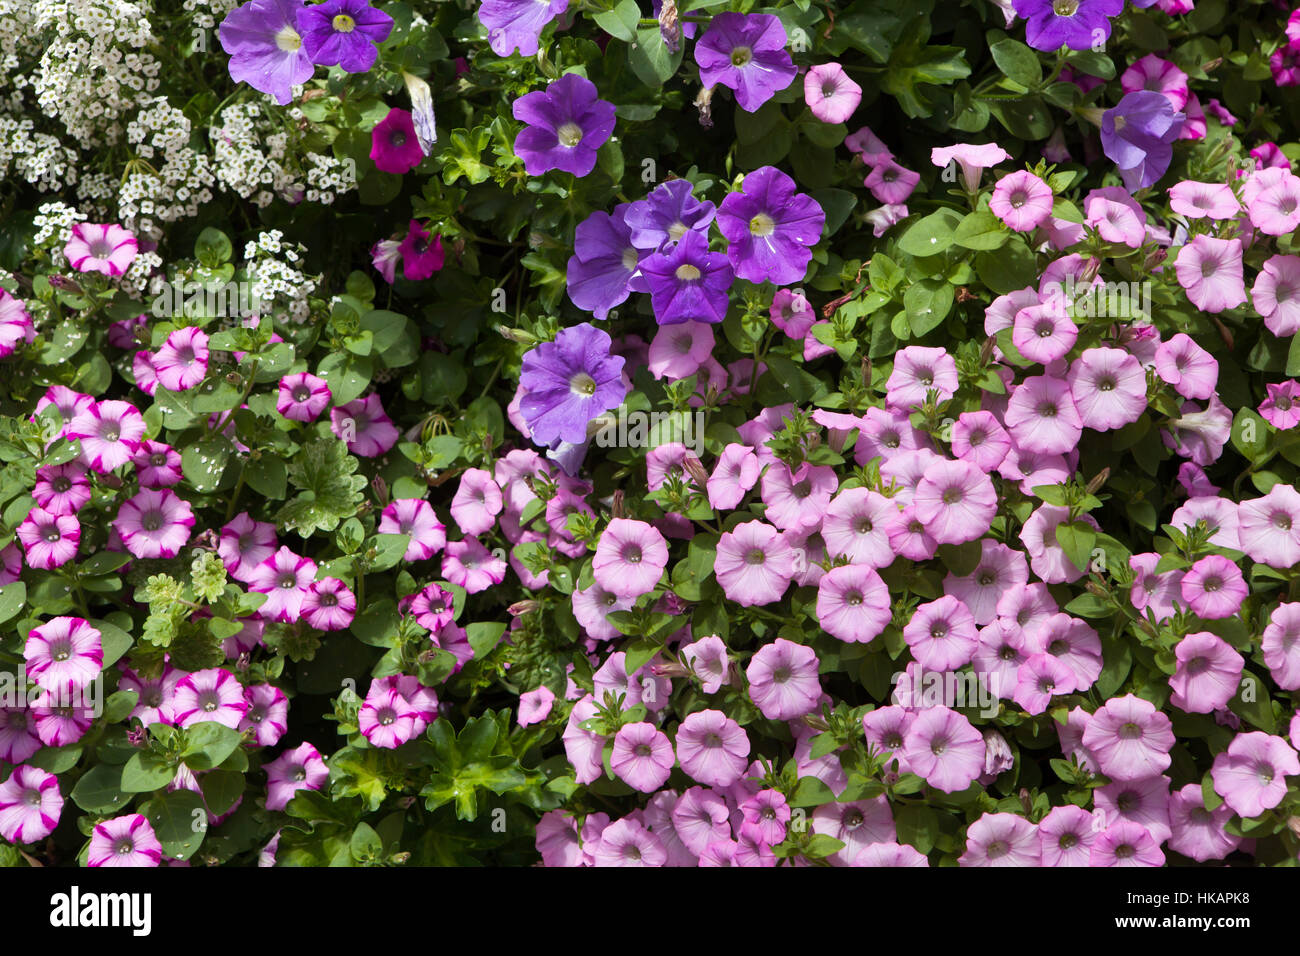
column 687, row 272
column 761, row 225
column 741, row 55
column 344, row 23
column 583, row 384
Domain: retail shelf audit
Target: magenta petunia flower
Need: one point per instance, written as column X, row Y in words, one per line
column 299, row 769
column 15, row 325
column 328, row 605
column 125, row 841
column 61, row 489
column 394, row 146
column 107, row 248
column 154, row 523
column 302, row 397
column 770, row 227
column 182, row 361
column 155, row 698
column 745, row 53
column 267, row 716
column 265, row 47
column 157, row 465
column 565, row 125
column 386, row 718
column 421, row 252
column 469, row 564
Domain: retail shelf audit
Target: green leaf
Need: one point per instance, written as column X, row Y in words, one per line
column 330, row 489
column 208, row 744
column 932, row 234
column 267, row 476
column 179, row 820
column 981, row 231
column 649, row 57
column 928, row 303
column 100, row 790
column 621, row 22
column 1017, row 62
column 146, row 772
column 13, row 597
column 1076, row 540
column 811, row 792
column 204, row 462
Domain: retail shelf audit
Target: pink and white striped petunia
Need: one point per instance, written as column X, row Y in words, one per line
column 124, row 841
column 15, row 325
column 30, row 805
column 155, row 523
column 285, row 579
column 182, row 361
column 64, row 654
column 110, row 432
column 49, row 541
column 214, row 694
column 302, row 397
column 106, row 248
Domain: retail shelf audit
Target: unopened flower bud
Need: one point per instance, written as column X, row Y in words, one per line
column 669, row 26
column 704, row 103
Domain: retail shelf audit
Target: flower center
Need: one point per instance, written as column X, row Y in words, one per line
column 288, row 39
column 754, row 556
column 741, row 55
column 151, row 521
column 687, row 272
column 570, row 134
column 762, row 225
column 582, row 384
column 676, row 231
column 629, row 259
column 344, row 23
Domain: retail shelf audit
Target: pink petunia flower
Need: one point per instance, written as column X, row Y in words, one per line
column 155, row 523
column 302, row 397
column 125, row 841
column 1022, row 201
column 214, row 694
column 830, row 94
column 363, row 425
column 414, row 517
column 105, row 248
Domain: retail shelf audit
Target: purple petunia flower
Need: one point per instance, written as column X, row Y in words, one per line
column 603, row 270
column 770, row 228
column 667, row 214
column 747, row 53
column 1137, row 135
column 688, row 283
column 1051, row 24
column 566, row 123
column 346, row 33
column 570, row 381
column 265, row 47
column 517, row 23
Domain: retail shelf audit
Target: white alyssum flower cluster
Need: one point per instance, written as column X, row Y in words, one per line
column 272, row 267
column 257, row 153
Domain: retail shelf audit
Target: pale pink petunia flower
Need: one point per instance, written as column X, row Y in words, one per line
column 414, row 517
column 830, row 93
column 944, row 749
column 1001, row 839
column 1276, row 294
column 469, row 564
column 1251, row 774
column 1204, row 200
column 1209, row 270
column 783, row 680
column 753, row 564
column 364, row 426
column 1022, row 201
column 535, row 705
column 973, row 158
